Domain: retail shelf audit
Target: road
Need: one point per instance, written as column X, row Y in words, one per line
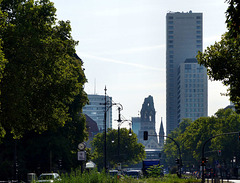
column 235, row 181
column 224, row 181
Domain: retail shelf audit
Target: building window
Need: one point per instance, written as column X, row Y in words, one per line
column 187, row 66
column 199, row 37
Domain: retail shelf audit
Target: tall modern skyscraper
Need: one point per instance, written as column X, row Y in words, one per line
column 184, row 40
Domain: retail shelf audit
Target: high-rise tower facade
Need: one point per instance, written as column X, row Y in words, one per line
column 183, row 41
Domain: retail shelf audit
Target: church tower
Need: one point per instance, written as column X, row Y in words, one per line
column 147, row 121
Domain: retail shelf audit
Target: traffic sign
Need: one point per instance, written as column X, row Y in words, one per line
column 81, row 155
column 82, row 146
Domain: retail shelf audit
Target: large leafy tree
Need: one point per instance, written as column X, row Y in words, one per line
column 53, row 150
column 222, row 124
column 171, row 150
column 130, row 151
column 222, row 59
column 43, row 76
column 3, row 62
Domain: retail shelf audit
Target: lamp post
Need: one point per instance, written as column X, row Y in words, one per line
column 107, row 107
column 120, row 122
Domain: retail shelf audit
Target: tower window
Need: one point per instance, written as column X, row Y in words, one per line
column 150, row 118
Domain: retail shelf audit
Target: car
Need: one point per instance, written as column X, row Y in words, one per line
column 113, row 172
column 48, row 177
column 134, row 173
column 31, row 177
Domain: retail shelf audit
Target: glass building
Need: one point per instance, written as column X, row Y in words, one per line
column 96, row 108
column 183, row 41
column 192, row 90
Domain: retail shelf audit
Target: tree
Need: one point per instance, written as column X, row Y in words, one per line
column 222, row 59
column 155, row 171
column 233, row 17
column 198, row 132
column 228, row 121
column 43, row 77
column 53, row 150
column 170, row 148
column 131, row 152
column 3, row 62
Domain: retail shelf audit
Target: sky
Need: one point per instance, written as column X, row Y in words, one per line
column 123, row 46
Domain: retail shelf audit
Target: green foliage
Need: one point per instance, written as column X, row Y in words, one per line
column 102, row 177
column 41, row 88
column 130, row 151
column 43, row 77
column 35, row 151
column 88, row 177
column 155, row 171
column 191, row 140
column 233, row 17
column 222, row 59
column 170, row 148
column 3, row 63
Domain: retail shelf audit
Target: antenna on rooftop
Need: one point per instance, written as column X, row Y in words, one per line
column 95, row 86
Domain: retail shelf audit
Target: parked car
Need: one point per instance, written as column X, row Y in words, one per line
column 134, row 173
column 48, row 177
column 31, row 177
column 113, row 172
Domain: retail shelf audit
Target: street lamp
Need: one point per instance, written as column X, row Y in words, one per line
column 107, row 107
column 120, row 122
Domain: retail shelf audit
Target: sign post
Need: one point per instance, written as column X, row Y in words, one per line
column 82, row 155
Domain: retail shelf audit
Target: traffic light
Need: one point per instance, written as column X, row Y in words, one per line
column 219, row 152
column 203, row 162
column 145, row 135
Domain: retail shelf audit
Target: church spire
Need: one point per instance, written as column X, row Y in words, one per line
column 161, row 134
column 161, row 131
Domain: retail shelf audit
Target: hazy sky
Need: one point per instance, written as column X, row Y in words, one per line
column 122, row 45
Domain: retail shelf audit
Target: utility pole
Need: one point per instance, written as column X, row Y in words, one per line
column 105, row 131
